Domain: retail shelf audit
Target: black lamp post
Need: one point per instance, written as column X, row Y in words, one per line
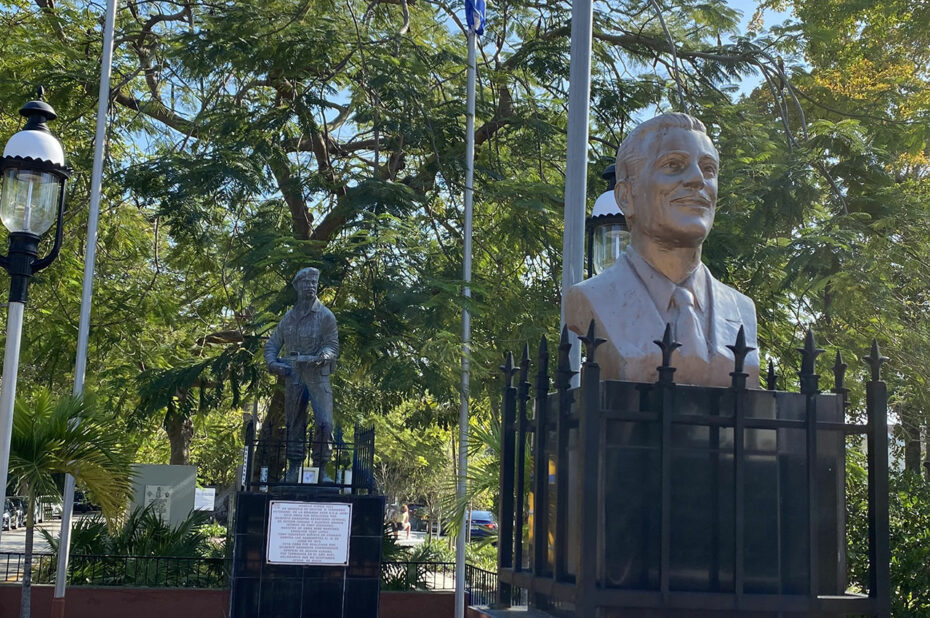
column 33, row 173
column 607, row 232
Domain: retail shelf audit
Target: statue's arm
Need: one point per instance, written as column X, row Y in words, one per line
column 330, row 335
column 273, row 346
column 272, row 349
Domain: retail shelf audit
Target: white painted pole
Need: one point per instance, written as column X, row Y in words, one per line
column 466, row 325
column 14, row 336
column 576, row 165
column 90, row 257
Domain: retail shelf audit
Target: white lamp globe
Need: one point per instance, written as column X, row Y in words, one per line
column 33, row 172
column 605, row 204
column 609, row 235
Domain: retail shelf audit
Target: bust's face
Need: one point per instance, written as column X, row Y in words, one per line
column 672, row 200
column 306, row 287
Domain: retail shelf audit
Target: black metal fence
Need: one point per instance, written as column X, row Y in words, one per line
column 482, row 587
column 348, row 466
column 615, row 456
column 12, row 565
column 128, row 571
column 415, row 575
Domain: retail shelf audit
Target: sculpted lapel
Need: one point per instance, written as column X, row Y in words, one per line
column 624, row 312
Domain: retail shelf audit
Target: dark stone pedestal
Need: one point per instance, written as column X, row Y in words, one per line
column 262, row 590
column 703, row 502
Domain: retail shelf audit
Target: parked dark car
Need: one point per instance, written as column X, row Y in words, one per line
column 483, row 524
column 419, row 517
column 82, row 504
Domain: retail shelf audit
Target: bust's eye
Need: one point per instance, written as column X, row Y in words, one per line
column 709, row 169
column 673, row 165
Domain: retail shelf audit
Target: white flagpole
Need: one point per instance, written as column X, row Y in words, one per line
column 90, row 256
column 466, row 326
column 576, row 165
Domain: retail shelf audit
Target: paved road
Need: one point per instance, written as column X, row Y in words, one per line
column 13, row 541
column 416, row 538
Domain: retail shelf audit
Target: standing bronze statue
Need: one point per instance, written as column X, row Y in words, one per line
column 310, row 338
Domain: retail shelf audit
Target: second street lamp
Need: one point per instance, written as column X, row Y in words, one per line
column 608, row 233
column 34, row 174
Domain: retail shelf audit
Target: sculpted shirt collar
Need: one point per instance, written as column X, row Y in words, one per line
column 315, row 307
column 661, row 287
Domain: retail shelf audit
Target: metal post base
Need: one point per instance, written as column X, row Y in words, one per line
column 58, row 607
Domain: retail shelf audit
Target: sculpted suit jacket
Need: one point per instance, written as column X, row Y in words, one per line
column 626, row 315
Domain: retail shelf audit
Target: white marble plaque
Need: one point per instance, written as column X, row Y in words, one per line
column 309, row 533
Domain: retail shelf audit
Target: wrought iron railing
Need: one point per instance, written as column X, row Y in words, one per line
column 348, row 466
column 415, row 575
column 481, row 585
column 12, row 565
column 128, row 571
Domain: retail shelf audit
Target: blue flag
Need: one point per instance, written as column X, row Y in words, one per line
column 474, row 15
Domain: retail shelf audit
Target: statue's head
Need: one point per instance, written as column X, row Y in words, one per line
column 306, row 281
column 667, row 181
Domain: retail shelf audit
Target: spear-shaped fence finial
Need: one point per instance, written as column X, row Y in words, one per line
column 809, row 354
column 591, row 342
column 740, row 350
column 508, row 369
column 667, row 345
column 771, row 380
column 564, row 370
column 839, row 374
column 875, row 361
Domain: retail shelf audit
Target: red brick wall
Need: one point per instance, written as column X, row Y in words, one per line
column 86, row 602
column 417, row 604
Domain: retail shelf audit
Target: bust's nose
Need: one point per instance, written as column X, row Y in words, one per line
column 694, row 177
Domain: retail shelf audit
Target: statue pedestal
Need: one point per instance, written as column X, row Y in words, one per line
column 658, row 500
column 306, row 552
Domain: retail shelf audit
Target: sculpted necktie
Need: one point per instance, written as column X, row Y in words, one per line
column 688, row 330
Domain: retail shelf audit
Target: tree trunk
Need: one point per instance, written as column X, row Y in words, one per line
column 25, row 607
column 180, row 431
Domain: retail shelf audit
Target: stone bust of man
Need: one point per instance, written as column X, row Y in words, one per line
column 667, row 188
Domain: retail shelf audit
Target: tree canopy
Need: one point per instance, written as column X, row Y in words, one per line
column 249, row 139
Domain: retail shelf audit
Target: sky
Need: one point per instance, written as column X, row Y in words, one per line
column 770, row 18
column 748, row 7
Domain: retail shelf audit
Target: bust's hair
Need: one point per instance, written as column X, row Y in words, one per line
column 635, row 149
column 305, row 272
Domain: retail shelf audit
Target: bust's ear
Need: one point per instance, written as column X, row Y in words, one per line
column 623, row 193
